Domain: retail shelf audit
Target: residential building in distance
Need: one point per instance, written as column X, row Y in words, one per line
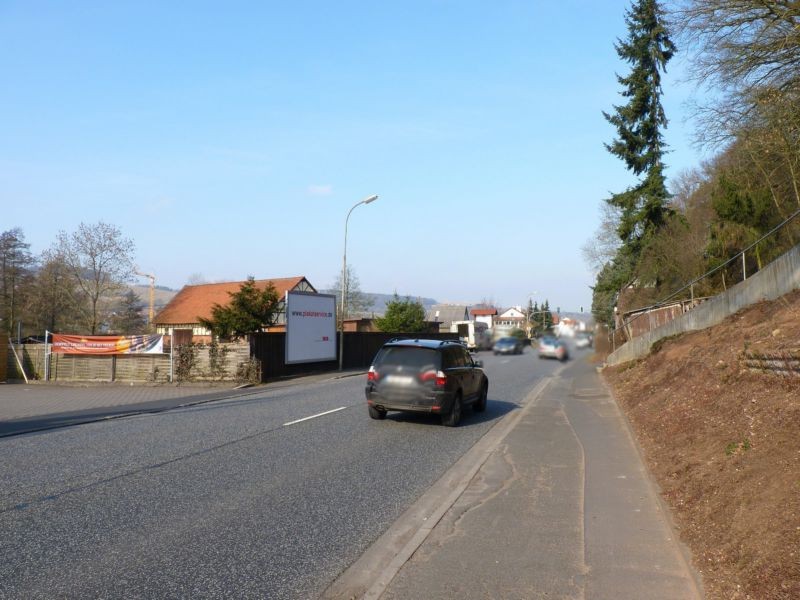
column 484, row 315
column 512, row 317
column 445, row 314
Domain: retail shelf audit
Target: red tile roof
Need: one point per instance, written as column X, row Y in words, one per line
column 483, row 311
column 195, row 301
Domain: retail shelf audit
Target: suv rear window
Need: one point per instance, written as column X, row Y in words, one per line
column 456, row 357
column 407, row 356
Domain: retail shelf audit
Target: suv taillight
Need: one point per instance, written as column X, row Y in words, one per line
column 441, row 379
column 437, row 377
column 372, row 374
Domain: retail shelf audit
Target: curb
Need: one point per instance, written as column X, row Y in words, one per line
column 369, row 576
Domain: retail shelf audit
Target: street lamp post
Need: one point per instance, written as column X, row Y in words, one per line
column 344, row 278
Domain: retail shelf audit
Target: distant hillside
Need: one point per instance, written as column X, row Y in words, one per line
column 164, row 295
column 161, row 297
column 379, row 302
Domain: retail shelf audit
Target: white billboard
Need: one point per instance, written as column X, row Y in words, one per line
column 310, row 327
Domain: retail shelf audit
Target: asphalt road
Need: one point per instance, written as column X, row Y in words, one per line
column 237, row 498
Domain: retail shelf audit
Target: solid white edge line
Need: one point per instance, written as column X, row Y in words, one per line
column 322, row 414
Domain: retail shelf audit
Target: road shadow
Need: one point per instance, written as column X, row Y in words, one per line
column 495, row 410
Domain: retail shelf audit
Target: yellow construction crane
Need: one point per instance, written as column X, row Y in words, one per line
column 152, row 278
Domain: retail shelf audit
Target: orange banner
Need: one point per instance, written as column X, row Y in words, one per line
column 108, row 344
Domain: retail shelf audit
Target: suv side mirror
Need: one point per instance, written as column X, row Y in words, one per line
column 477, row 362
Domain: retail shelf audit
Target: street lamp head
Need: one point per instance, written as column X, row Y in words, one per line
column 370, row 199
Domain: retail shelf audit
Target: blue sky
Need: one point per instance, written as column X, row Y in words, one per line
column 232, row 140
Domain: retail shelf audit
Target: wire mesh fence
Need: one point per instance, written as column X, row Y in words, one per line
column 647, row 318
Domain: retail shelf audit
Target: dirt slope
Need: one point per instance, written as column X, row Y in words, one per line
column 723, row 441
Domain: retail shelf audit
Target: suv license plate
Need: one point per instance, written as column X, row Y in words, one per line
column 400, row 379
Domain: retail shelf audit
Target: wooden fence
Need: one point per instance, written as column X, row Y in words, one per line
column 140, row 368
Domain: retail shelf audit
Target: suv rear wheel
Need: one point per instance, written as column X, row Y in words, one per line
column 480, row 403
column 376, row 413
column 452, row 418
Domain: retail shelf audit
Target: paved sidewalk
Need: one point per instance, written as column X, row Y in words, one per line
column 561, row 507
column 40, row 406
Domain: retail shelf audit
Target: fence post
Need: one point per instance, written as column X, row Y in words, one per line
column 744, row 268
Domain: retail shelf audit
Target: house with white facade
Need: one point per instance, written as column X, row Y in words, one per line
column 512, row 317
column 484, row 315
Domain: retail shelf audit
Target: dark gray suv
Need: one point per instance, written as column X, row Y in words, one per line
column 430, row 376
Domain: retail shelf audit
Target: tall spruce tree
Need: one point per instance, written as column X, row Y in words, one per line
column 642, row 208
column 639, row 124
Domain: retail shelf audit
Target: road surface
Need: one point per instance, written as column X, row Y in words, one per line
column 268, row 496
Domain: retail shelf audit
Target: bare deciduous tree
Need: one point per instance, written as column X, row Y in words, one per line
column 601, row 249
column 100, row 260
column 749, row 51
column 357, row 302
column 16, row 264
column 743, row 45
column 55, row 297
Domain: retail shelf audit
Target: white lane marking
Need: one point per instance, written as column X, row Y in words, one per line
column 327, row 412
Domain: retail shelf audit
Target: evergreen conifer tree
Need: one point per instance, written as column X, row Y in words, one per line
column 639, row 123
column 128, row 319
column 547, row 318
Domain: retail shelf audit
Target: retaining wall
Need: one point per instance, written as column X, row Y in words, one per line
column 773, row 281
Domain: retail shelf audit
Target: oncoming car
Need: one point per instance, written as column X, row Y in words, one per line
column 507, row 345
column 430, row 376
column 583, row 340
column 550, row 347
